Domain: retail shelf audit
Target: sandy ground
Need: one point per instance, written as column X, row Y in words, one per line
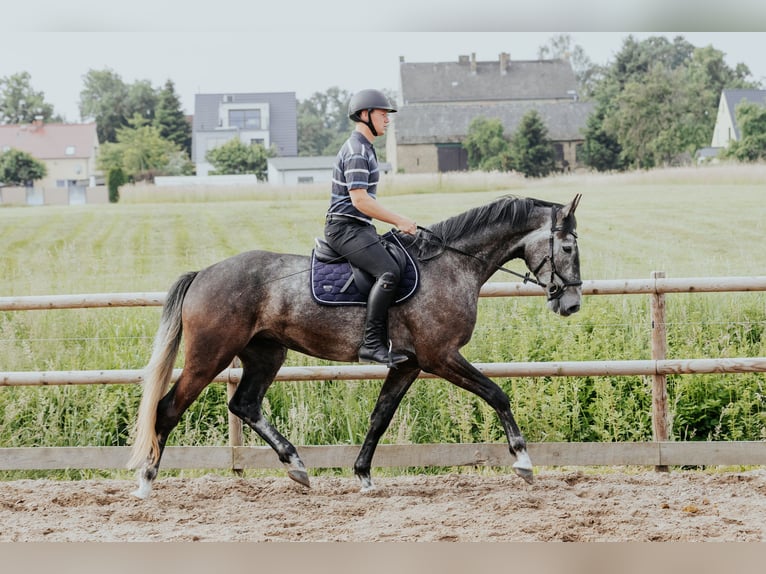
column 685, row 506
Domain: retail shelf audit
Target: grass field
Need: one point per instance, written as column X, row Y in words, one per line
column 686, row 222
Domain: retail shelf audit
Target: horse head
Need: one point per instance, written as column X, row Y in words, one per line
column 554, row 259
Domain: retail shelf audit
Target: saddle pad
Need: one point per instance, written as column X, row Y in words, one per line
column 333, row 284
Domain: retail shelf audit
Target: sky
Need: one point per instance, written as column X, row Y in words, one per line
column 238, row 48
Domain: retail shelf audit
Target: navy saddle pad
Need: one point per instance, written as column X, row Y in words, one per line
column 335, row 282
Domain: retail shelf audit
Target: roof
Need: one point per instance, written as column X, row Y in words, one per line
column 502, row 79
column 735, row 97
column 51, row 141
column 446, row 123
column 300, row 163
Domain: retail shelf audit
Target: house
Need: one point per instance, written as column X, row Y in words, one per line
column 295, row 170
column 438, row 102
column 69, row 152
column 264, row 118
column 726, row 129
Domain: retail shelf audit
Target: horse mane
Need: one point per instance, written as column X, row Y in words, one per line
column 508, row 210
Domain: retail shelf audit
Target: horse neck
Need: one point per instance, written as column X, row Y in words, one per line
column 494, row 245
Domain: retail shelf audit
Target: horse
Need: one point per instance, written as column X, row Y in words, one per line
column 256, row 305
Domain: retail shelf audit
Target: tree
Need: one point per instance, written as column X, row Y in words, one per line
column 18, row 168
column 657, row 103
column 601, row 151
column 751, row 119
column 20, row 103
column 323, row 123
column 142, row 99
column 115, row 178
column 234, row 157
column 142, row 153
column 104, row 99
column 587, row 73
column 486, row 146
column 531, row 151
column 170, row 120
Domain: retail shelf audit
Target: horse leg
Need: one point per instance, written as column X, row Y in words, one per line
column 170, row 409
column 261, row 362
column 393, row 390
column 457, row 370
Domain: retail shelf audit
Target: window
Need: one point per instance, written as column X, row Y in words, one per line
column 257, row 141
column 245, row 119
column 69, row 150
column 305, row 179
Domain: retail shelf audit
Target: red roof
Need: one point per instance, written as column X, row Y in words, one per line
column 51, row 141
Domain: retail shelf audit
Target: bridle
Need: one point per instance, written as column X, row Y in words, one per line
column 553, row 290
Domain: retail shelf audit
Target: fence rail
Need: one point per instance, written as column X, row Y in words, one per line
column 659, row 453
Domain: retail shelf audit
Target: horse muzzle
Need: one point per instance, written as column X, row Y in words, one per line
column 564, row 301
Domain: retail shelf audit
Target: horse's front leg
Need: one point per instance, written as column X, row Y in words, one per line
column 457, row 370
column 393, row 390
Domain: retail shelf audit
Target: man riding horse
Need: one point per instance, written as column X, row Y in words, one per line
column 349, row 229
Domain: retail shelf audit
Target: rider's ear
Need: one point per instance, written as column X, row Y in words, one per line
column 569, row 209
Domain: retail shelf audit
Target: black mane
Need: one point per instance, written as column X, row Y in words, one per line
column 509, row 210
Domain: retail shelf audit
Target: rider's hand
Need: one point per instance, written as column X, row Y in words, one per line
column 407, row 225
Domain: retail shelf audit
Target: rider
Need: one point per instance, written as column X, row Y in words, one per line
column 349, row 229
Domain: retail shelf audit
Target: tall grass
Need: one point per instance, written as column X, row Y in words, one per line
column 699, row 222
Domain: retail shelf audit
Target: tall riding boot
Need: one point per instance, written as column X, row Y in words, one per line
column 375, row 345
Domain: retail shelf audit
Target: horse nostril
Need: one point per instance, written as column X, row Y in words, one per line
column 573, row 309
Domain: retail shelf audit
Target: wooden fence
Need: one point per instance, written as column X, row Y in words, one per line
column 661, row 453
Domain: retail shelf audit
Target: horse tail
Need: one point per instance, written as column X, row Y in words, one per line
column 158, row 373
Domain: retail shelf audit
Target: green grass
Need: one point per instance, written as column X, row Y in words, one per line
column 688, row 223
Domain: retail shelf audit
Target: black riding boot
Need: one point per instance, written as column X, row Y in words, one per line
column 376, row 347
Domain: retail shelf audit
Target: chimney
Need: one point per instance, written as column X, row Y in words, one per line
column 37, row 123
column 505, row 60
column 462, row 59
column 473, row 63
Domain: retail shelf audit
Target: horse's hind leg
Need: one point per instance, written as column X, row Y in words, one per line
column 261, row 361
column 393, row 390
column 170, row 410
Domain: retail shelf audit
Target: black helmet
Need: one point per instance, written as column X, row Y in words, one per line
column 368, row 100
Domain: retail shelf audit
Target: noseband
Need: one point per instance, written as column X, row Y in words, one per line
column 552, row 289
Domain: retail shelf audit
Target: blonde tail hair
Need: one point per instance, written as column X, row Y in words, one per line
column 158, row 373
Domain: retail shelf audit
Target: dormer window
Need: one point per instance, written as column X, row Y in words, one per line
column 69, row 150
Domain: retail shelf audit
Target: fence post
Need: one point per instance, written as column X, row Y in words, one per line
column 235, row 423
column 659, row 382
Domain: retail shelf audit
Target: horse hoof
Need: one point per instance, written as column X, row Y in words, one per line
column 142, row 493
column 525, row 473
column 300, row 476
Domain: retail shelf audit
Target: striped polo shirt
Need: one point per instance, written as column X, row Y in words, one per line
column 356, row 167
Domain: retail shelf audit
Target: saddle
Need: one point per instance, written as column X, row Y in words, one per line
column 334, row 281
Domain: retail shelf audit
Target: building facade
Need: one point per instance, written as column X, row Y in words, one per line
column 69, row 152
column 270, row 119
column 438, row 101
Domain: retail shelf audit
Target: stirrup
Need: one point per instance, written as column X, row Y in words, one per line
column 391, row 360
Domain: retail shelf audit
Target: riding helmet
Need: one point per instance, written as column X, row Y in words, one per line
column 368, row 100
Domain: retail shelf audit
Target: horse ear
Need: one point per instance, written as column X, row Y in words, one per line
column 569, row 209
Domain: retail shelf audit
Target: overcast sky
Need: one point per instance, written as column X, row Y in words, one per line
column 233, row 47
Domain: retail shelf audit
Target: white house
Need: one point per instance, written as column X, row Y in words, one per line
column 726, row 129
column 295, row 170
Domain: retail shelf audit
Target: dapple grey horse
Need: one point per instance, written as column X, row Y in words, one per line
column 257, row 305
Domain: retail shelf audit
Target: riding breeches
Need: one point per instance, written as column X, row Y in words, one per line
column 360, row 243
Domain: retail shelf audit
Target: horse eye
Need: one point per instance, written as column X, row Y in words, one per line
column 567, row 248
